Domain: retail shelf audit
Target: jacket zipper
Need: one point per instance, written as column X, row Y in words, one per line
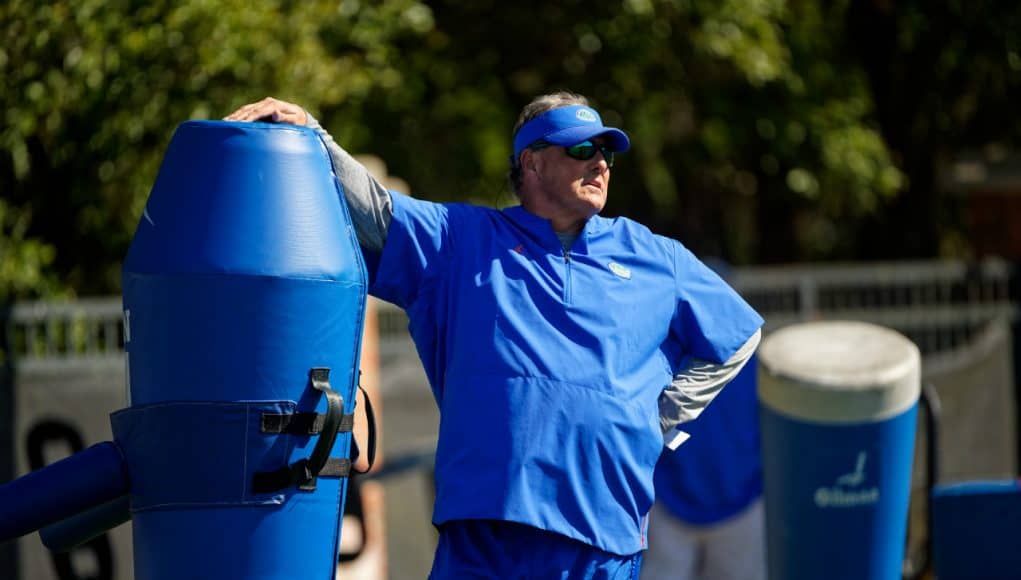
column 567, row 276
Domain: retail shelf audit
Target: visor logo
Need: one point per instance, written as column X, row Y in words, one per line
column 586, row 115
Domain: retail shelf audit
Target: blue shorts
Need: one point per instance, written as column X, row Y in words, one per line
column 476, row 549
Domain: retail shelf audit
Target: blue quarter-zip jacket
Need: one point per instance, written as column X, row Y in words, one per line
column 547, row 364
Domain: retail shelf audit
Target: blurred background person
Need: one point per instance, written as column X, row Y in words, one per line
column 707, row 522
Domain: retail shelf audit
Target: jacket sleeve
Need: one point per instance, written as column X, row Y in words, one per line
column 694, row 387
column 715, row 332
column 711, row 321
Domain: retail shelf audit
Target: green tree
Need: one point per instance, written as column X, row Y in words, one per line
column 946, row 79
column 764, row 130
column 95, row 88
column 754, row 132
column 24, row 262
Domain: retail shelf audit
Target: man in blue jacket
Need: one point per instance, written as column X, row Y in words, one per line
column 563, row 348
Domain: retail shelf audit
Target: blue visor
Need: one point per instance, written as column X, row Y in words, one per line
column 566, row 126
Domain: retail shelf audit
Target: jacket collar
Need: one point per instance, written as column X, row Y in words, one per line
column 542, row 230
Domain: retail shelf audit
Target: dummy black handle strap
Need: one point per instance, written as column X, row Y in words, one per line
column 370, row 416
column 331, row 426
column 303, row 472
column 297, row 472
column 302, row 423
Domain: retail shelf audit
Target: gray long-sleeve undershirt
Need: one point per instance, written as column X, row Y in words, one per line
column 690, row 391
column 694, row 387
column 367, row 199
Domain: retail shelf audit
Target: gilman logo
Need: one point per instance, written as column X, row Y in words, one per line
column 586, row 115
column 848, row 491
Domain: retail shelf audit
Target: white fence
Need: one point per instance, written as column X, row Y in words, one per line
column 940, row 305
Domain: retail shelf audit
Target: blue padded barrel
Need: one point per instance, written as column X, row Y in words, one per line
column 243, row 275
column 838, row 408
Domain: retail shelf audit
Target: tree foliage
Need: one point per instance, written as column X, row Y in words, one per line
column 945, row 77
column 763, row 130
column 752, row 123
column 95, row 88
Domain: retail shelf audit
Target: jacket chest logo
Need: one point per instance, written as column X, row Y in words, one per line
column 619, row 270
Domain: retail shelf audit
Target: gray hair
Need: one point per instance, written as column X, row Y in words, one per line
column 538, row 106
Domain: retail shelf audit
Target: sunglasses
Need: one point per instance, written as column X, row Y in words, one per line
column 582, row 151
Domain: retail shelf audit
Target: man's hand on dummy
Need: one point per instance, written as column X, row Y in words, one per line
column 270, row 110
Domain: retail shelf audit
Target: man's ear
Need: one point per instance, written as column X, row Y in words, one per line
column 528, row 160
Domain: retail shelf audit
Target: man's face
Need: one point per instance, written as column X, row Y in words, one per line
column 573, row 186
